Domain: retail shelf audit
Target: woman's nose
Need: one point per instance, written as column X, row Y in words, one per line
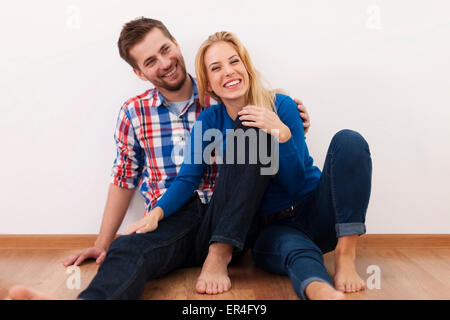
column 229, row 70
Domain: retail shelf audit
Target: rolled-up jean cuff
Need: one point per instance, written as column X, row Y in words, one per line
column 347, row 229
column 239, row 245
column 307, row 281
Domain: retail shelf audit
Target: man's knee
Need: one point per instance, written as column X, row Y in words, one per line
column 127, row 243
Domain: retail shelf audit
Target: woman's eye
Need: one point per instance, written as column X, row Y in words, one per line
column 215, row 68
column 234, row 61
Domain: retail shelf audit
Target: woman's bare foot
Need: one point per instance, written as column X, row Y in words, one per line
column 346, row 278
column 23, row 293
column 214, row 278
column 317, row 290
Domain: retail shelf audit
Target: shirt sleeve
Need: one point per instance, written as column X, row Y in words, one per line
column 291, row 171
column 191, row 171
column 129, row 163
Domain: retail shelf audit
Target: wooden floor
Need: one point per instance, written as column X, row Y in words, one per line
column 412, row 267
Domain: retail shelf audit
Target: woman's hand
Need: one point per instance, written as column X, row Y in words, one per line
column 264, row 119
column 148, row 223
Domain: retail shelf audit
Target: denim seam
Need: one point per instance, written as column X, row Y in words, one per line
column 360, row 226
column 169, row 242
column 292, row 275
column 140, row 263
column 122, row 288
column 236, row 243
column 333, row 192
column 305, row 283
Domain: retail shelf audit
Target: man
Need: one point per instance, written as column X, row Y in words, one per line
column 150, row 128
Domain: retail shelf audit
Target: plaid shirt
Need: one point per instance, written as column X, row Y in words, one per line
column 150, row 142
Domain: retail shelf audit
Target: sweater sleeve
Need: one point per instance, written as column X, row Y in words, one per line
column 291, row 171
column 190, row 174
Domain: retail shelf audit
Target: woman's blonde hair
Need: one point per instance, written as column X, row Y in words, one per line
column 257, row 94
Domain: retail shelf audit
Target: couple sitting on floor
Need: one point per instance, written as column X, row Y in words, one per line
column 247, row 180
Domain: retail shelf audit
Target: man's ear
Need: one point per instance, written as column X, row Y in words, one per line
column 139, row 74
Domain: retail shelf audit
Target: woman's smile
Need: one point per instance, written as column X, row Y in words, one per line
column 227, row 76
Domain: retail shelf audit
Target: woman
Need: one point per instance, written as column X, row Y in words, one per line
column 305, row 212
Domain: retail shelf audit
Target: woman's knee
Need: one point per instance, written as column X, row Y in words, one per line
column 351, row 143
column 308, row 250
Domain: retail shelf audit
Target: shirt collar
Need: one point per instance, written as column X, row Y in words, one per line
column 161, row 101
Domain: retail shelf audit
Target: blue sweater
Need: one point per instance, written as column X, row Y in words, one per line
column 296, row 177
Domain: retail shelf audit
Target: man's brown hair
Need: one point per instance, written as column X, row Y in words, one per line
column 133, row 32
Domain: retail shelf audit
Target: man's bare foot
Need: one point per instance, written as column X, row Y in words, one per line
column 23, row 293
column 214, row 278
column 317, row 290
column 346, row 278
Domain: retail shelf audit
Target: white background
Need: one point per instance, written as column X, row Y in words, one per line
column 379, row 67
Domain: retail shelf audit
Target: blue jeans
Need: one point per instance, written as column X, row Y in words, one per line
column 294, row 244
column 182, row 240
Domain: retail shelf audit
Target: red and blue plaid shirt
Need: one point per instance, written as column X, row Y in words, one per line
column 150, row 142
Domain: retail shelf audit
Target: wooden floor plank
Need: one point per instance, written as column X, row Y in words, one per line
column 406, row 273
column 68, row 241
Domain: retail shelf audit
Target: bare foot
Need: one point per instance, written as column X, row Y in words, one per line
column 23, row 293
column 214, row 278
column 317, row 290
column 346, row 278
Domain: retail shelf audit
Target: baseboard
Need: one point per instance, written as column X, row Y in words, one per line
column 404, row 241
column 69, row 241
column 46, row 241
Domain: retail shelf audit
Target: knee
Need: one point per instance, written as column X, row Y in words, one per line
column 123, row 244
column 308, row 251
column 351, row 143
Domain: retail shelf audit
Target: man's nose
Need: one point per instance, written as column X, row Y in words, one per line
column 165, row 62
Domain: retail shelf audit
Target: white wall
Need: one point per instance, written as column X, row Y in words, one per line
column 379, row 67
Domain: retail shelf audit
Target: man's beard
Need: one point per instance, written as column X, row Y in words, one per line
column 176, row 86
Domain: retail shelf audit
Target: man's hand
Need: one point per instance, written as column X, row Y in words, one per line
column 148, row 223
column 303, row 114
column 76, row 259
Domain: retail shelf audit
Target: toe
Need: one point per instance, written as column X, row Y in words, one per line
column 200, row 287
column 214, row 288
column 363, row 285
column 220, row 288
column 339, row 287
column 348, row 288
column 228, row 286
column 208, row 287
